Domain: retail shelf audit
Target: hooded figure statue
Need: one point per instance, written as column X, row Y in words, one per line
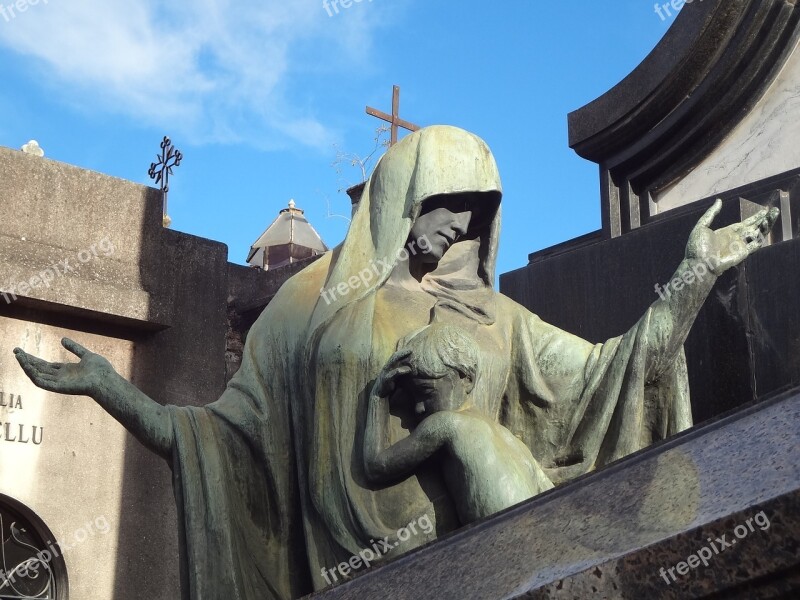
column 269, row 479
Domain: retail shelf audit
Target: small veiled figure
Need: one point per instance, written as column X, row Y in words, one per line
column 270, row 481
column 487, row 469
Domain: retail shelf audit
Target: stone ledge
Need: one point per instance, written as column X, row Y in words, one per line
column 78, row 296
column 628, row 520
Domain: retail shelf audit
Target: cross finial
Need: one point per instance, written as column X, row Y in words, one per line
column 162, row 169
column 394, row 118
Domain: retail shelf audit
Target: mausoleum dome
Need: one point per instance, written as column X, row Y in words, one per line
column 288, row 239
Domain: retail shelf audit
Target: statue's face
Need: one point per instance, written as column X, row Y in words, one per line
column 433, row 395
column 442, row 222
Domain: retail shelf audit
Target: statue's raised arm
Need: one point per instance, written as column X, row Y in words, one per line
column 94, row 376
column 709, row 253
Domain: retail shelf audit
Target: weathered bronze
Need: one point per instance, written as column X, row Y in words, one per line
column 286, row 475
column 486, row 468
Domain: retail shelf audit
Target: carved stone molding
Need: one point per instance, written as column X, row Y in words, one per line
column 710, row 69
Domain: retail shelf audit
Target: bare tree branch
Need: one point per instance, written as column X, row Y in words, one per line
column 363, row 164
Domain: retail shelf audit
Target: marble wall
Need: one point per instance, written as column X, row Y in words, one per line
column 64, row 457
column 764, row 144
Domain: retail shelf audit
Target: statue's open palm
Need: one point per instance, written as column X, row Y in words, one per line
column 81, row 378
column 728, row 246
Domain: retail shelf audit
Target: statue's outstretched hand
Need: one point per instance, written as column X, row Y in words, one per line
column 81, row 378
column 727, row 247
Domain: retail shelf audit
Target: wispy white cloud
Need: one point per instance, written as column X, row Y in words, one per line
column 211, row 70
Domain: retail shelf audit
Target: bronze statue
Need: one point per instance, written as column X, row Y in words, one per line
column 486, row 468
column 271, row 480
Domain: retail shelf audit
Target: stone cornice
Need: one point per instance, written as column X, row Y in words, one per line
column 700, row 81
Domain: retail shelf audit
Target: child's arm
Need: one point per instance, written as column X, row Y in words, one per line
column 382, row 463
column 378, row 410
column 400, row 459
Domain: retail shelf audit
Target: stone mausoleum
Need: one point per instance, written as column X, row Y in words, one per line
column 85, row 255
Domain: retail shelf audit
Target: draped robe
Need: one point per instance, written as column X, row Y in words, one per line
column 269, row 479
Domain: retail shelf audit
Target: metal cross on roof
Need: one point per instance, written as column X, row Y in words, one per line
column 394, row 118
column 161, row 169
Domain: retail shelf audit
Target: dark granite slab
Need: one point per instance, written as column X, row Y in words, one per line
column 745, row 343
column 609, row 534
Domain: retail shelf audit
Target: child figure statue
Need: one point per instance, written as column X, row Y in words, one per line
column 486, row 468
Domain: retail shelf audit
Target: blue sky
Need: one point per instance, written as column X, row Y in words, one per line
column 257, row 92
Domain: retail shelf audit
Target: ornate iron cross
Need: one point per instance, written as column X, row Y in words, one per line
column 394, row 118
column 161, row 169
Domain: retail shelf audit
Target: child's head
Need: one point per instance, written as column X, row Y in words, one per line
column 444, row 367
